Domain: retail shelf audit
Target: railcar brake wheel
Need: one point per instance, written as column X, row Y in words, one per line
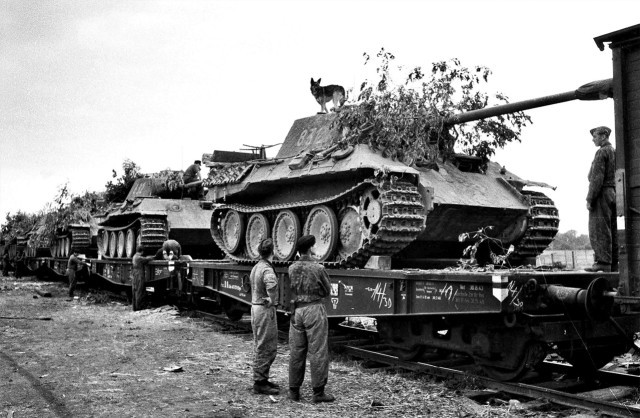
column 232, row 230
column 113, row 244
column 130, row 243
column 351, row 232
column 286, row 231
column 257, row 230
column 323, row 224
column 371, row 209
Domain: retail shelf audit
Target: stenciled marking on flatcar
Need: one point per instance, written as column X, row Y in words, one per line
column 379, row 294
column 348, row 290
column 468, row 294
column 227, row 285
column 335, row 287
column 334, row 302
column 514, row 292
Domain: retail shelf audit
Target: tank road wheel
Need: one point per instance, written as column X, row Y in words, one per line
column 121, row 244
column 54, row 249
column 130, row 243
column 113, row 244
column 66, row 246
column 351, row 230
column 286, row 231
column 257, row 230
column 370, row 210
column 103, row 241
column 323, row 224
column 232, row 230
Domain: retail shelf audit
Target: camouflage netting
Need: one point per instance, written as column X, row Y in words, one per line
column 172, row 179
column 226, row 173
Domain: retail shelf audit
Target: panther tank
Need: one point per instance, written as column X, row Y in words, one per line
column 159, row 208
column 358, row 203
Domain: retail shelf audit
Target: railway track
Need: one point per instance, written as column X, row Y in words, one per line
column 608, row 394
column 603, row 395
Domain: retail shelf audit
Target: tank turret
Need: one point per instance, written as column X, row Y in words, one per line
column 358, row 203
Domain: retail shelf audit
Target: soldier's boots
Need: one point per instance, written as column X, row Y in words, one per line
column 319, row 395
column 265, row 388
column 605, row 268
column 294, row 394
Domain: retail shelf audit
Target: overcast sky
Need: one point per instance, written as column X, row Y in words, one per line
column 87, row 84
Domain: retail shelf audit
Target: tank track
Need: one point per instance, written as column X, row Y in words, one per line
column 402, row 220
column 542, row 225
column 153, row 232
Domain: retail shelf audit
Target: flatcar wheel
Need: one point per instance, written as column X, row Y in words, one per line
column 410, row 354
column 371, row 210
column 323, row 224
column 113, row 244
column 130, row 243
column 257, row 230
column 286, row 231
column 531, row 358
column 232, row 230
column 121, row 244
column 351, row 232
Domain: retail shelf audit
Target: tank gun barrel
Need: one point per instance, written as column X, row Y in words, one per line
column 192, row 184
column 596, row 90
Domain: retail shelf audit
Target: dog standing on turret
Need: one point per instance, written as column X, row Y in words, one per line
column 324, row 94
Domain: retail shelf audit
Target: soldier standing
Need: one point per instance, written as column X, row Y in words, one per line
column 138, row 290
column 264, row 298
column 309, row 330
column 73, row 265
column 601, row 203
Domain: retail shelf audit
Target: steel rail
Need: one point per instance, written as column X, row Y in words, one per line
column 521, row 389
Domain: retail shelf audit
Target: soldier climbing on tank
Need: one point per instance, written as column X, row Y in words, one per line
column 309, row 328
column 138, row 289
column 191, row 175
column 601, row 203
column 264, row 299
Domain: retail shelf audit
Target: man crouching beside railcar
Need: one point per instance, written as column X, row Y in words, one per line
column 309, row 330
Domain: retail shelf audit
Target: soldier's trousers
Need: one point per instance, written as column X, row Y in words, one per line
column 138, row 291
column 603, row 229
column 309, row 337
column 265, row 340
column 73, row 281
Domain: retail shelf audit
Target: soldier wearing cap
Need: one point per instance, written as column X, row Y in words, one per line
column 192, row 174
column 138, row 289
column 309, row 330
column 73, row 265
column 264, row 299
column 601, row 203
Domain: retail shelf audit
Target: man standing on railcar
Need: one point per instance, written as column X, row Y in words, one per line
column 601, row 203
column 309, row 330
column 264, row 299
column 138, row 289
column 73, row 265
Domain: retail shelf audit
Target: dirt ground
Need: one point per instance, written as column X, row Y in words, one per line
column 94, row 357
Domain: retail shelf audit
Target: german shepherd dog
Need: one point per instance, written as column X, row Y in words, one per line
column 324, row 94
